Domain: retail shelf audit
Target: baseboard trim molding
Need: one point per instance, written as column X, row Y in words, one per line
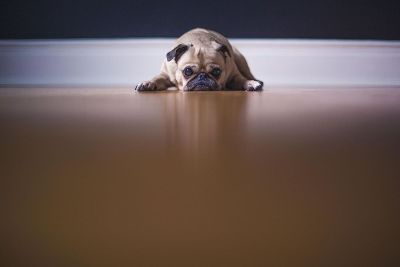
column 125, row 62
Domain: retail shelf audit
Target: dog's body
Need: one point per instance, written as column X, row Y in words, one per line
column 203, row 60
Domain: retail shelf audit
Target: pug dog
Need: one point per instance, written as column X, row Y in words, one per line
column 203, row 60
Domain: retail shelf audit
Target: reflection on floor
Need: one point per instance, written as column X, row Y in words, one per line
column 284, row 177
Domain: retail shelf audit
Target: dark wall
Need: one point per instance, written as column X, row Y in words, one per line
column 353, row 19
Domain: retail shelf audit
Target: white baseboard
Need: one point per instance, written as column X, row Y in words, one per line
column 126, row 62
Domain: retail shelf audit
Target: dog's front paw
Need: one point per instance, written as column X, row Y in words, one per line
column 146, row 86
column 253, row 85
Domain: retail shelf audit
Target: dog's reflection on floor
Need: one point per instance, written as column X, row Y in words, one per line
column 201, row 122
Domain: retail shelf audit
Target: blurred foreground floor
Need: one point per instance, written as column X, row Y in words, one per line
column 280, row 178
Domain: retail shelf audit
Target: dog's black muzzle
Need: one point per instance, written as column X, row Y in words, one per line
column 202, row 82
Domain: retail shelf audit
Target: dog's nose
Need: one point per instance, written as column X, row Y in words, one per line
column 202, row 75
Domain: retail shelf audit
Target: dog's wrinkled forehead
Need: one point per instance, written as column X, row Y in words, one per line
column 185, row 52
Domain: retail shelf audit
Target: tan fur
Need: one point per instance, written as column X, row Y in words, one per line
column 202, row 55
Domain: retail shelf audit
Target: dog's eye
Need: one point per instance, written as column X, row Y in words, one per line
column 188, row 71
column 216, row 72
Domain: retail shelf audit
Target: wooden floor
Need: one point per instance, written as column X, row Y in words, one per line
column 285, row 177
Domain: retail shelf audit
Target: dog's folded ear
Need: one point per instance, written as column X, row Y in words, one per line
column 177, row 52
column 224, row 51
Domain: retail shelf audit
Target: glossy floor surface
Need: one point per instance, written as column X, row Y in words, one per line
column 284, row 177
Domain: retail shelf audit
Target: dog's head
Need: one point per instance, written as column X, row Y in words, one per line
column 200, row 67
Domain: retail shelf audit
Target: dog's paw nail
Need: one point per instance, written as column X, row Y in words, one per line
column 138, row 87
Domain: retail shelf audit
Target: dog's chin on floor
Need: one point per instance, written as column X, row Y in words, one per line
column 202, row 83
